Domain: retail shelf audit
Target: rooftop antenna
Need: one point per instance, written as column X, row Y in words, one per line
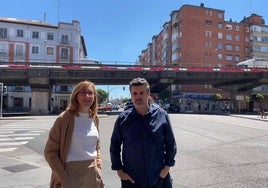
column 58, row 16
column 45, row 15
column 250, row 7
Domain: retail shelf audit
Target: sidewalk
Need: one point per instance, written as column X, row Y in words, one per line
column 253, row 117
column 26, row 167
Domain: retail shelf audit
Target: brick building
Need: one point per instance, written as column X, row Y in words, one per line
column 198, row 36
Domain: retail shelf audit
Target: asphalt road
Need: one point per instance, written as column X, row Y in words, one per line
column 213, row 152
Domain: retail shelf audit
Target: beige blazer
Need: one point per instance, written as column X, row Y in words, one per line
column 58, row 144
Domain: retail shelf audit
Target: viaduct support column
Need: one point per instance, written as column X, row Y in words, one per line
column 239, row 101
column 41, row 92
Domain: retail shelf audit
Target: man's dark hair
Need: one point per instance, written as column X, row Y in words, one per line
column 139, row 82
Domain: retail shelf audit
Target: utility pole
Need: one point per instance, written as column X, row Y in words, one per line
column 1, row 99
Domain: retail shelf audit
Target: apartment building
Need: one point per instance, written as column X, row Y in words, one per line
column 199, row 36
column 38, row 41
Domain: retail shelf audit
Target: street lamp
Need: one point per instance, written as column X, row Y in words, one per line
column 109, row 90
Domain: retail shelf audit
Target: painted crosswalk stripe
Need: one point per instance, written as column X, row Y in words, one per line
column 7, row 149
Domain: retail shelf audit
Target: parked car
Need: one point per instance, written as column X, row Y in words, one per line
column 116, row 107
column 105, row 107
column 128, row 105
column 173, row 108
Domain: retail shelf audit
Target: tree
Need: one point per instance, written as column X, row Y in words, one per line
column 124, row 100
column 217, row 96
column 102, row 95
column 163, row 95
column 257, row 98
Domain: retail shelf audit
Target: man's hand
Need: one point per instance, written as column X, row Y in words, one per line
column 164, row 171
column 124, row 176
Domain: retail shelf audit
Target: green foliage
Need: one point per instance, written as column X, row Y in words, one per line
column 124, row 100
column 164, row 94
column 257, row 97
column 102, row 95
column 247, row 98
column 218, row 96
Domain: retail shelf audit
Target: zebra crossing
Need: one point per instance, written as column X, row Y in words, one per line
column 18, row 133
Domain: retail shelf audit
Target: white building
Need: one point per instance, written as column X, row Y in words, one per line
column 38, row 41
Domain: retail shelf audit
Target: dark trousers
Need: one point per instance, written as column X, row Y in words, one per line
column 161, row 183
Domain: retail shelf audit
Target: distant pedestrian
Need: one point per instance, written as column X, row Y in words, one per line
column 143, row 146
column 72, row 149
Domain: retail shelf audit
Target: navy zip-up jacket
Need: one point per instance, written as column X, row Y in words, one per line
column 148, row 144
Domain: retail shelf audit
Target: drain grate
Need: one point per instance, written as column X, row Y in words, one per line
column 19, row 168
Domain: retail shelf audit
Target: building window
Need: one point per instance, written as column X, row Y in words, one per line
column 19, row 33
column 237, row 38
column 18, row 102
column 175, row 57
column 229, row 57
column 35, row 35
column 256, row 48
column 246, row 39
column 264, row 39
column 219, row 46
column 208, row 22
column 50, row 36
column 229, row 27
column 3, row 48
column 208, row 12
column 220, row 15
column 35, row 49
column 219, row 56
column 3, row 33
column 247, row 29
column 264, row 49
column 237, row 28
column 64, row 39
column 207, row 44
column 237, row 48
column 220, row 35
column 237, row 58
column 63, row 88
column 208, row 33
column 18, row 88
column 174, row 17
column 19, row 49
column 229, row 47
column 50, row 51
column 229, row 37
column 220, row 25
column 64, row 53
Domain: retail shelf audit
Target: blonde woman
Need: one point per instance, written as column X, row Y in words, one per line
column 72, row 149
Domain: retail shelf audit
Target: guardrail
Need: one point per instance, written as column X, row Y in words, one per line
column 17, row 65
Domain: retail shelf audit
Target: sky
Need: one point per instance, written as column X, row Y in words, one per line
column 118, row 30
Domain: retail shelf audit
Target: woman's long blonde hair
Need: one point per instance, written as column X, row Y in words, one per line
column 74, row 105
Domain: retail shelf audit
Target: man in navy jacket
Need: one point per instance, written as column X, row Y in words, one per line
column 143, row 146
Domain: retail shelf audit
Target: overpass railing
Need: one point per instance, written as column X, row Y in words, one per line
column 129, row 67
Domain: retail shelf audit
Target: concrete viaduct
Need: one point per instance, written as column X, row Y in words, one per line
column 41, row 78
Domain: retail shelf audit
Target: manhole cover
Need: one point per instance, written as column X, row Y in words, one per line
column 19, row 168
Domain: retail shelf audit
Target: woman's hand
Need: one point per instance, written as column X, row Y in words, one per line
column 99, row 162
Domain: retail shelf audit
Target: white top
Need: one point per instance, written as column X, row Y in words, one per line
column 84, row 139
